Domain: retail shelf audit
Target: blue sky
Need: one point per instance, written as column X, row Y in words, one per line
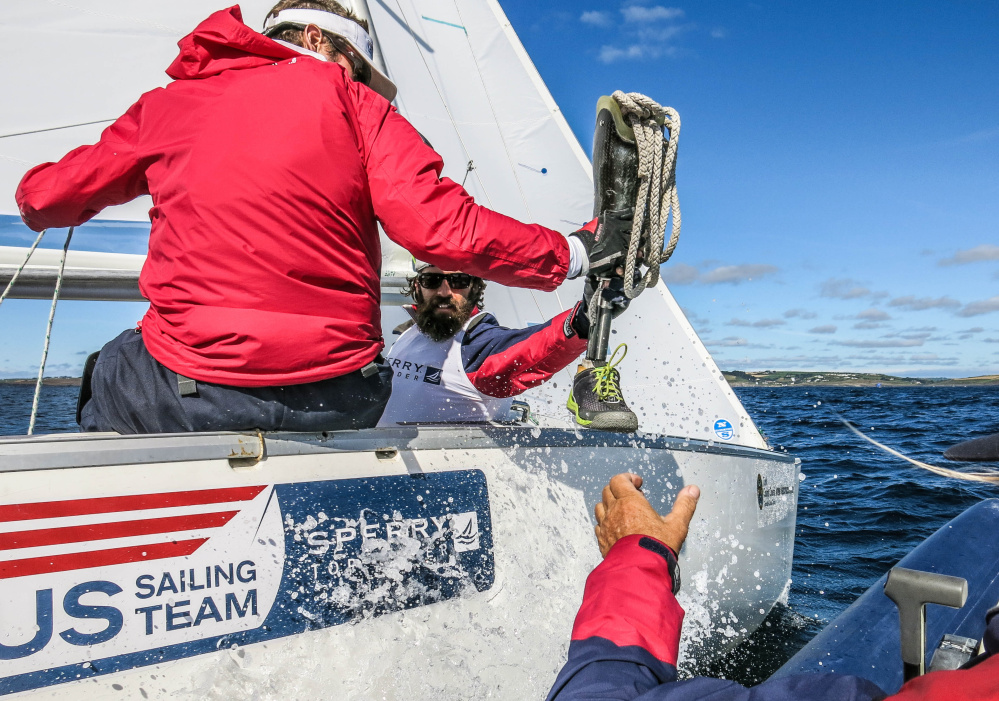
column 838, row 175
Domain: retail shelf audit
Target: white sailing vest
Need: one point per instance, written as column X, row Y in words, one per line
column 430, row 384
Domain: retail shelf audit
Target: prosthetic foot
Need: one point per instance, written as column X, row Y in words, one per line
column 596, row 400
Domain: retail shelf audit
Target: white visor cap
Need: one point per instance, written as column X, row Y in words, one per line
column 347, row 29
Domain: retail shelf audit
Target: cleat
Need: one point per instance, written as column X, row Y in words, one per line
column 596, row 400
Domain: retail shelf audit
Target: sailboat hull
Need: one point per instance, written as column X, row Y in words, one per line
column 430, row 562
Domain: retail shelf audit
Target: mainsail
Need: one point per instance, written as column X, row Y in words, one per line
column 465, row 81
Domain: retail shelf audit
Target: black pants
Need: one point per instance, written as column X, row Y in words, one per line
column 133, row 393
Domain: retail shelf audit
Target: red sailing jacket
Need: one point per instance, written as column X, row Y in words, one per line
column 268, row 170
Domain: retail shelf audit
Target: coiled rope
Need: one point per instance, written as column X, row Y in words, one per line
column 657, row 134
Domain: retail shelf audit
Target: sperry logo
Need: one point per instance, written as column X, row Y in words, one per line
column 433, row 375
column 465, row 531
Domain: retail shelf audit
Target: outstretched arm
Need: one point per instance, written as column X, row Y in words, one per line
column 437, row 221
column 626, row 637
column 504, row 362
column 85, row 180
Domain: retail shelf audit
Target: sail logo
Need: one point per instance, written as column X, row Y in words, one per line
column 724, row 430
column 433, row 375
column 465, row 531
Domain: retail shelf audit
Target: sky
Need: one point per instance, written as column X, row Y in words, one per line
column 838, row 175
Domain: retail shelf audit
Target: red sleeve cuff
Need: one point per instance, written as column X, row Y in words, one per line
column 629, row 600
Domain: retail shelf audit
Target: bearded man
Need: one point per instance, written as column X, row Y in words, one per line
column 456, row 364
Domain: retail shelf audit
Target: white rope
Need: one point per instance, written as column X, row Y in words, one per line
column 17, row 273
column 990, row 477
column 657, row 195
column 48, row 333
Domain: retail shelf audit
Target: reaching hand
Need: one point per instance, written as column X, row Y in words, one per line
column 625, row 511
column 606, row 240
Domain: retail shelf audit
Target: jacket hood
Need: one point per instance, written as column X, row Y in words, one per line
column 221, row 43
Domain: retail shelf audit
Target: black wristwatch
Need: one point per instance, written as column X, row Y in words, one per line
column 658, row 548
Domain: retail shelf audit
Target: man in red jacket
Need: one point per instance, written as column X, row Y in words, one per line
column 269, row 163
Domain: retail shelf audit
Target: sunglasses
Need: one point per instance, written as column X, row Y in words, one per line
column 362, row 72
column 456, row 281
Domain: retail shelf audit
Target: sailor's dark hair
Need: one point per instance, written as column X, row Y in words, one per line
column 476, row 293
column 293, row 35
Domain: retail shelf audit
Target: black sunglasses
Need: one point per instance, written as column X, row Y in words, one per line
column 362, row 72
column 456, row 281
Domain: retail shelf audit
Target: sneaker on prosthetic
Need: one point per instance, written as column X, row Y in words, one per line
column 596, row 400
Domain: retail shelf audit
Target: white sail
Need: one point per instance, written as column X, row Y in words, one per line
column 70, row 69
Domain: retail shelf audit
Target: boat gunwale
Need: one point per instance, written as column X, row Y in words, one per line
column 82, row 450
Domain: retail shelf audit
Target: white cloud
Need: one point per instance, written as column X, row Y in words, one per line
column 719, row 33
column 922, row 303
column 596, row 18
column 931, row 359
column 986, row 251
column 873, row 314
column 843, row 289
column 761, row 324
column 825, row 328
column 799, row 313
column 735, row 274
column 679, row 274
column 884, row 343
column 869, row 325
column 728, row 342
column 982, row 306
column 656, row 13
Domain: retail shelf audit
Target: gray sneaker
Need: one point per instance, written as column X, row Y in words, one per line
column 596, row 400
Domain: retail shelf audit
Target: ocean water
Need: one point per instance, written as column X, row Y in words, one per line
column 860, row 510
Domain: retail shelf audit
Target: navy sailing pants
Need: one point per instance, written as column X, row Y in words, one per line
column 132, row 392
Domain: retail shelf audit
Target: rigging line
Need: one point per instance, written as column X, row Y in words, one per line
column 489, row 99
column 447, row 109
column 990, row 477
column 17, row 273
column 67, row 126
column 48, row 333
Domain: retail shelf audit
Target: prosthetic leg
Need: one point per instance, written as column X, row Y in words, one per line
column 596, row 399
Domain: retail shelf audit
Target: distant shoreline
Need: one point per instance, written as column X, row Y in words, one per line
column 785, row 378
column 47, row 382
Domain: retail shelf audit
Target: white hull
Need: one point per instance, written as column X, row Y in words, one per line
column 504, row 637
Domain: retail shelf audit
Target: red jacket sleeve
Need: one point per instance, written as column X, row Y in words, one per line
column 85, row 180
column 504, row 362
column 437, row 221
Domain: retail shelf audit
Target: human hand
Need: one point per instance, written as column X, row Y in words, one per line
column 625, row 511
column 606, row 240
column 611, row 291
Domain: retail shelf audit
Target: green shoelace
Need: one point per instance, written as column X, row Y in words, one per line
column 608, row 388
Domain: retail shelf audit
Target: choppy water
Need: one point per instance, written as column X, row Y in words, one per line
column 860, row 511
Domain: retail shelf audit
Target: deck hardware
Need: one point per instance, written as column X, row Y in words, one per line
column 911, row 590
column 247, row 452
